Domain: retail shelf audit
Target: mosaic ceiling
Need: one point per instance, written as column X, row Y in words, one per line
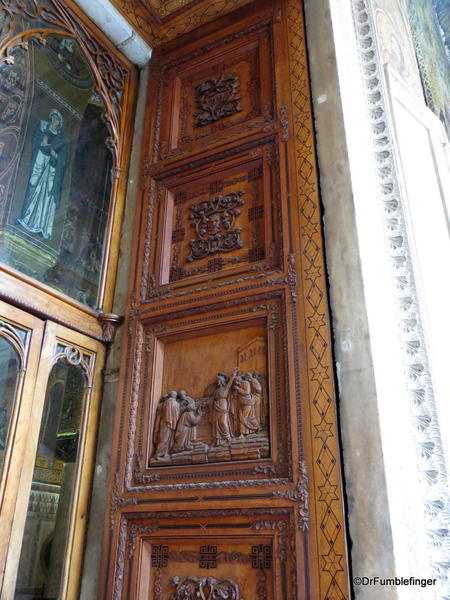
column 159, row 21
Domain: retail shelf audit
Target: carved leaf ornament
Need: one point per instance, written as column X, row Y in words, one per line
column 217, row 98
column 214, row 221
column 205, row 588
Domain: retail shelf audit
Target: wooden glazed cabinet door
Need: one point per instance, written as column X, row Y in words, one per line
column 226, row 477
column 24, row 333
column 60, row 345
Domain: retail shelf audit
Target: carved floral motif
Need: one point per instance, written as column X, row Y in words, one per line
column 205, row 588
column 216, row 98
column 299, row 495
column 214, row 221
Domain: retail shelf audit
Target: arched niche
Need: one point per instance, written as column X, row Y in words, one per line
column 62, row 99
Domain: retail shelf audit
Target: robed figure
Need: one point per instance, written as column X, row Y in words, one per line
column 222, row 432
column 48, row 164
column 247, row 421
column 166, row 420
column 185, row 434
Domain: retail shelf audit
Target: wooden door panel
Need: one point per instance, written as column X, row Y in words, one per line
column 245, row 556
column 37, row 477
column 226, row 431
column 186, row 352
column 216, row 93
column 221, row 218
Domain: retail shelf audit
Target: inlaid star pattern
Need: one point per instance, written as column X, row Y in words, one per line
column 313, row 272
column 333, row 577
column 310, row 229
column 328, row 493
column 332, row 562
column 316, row 321
column 323, row 430
column 319, row 373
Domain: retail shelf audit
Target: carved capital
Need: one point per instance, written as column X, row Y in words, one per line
column 109, row 322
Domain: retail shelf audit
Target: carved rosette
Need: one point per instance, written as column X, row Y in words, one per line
column 214, row 221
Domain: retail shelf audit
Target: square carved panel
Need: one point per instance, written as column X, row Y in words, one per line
column 221, row 219
column 228, row 87
column 235, row 554
column 213, row 393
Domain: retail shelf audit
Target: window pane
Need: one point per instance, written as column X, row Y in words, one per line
column 9, row 377
column 55, row 166
column 50, row 503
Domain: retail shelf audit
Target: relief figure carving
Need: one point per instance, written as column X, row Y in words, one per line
column 246, row 405
column 186, row 432
column 166, row 421
column 221, row 419
column 222, row 425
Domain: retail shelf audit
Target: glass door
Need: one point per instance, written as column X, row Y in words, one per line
column 20, row 346
column 48, row 520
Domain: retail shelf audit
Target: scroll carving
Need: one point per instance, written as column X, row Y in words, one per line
column 205, row 588
column 214, row 221
column 228, row 423
column 299, row 495
column 216, row 98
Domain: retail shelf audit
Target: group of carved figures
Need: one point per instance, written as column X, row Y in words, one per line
column 177, row 417
column 235, row 413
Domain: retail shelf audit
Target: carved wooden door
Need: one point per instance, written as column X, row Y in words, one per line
column 226, row 477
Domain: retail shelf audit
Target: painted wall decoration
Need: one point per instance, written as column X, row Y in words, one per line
column 395, row 42
column 432, row 57
column 442, row 8
column 412, row 41
column 56, row 161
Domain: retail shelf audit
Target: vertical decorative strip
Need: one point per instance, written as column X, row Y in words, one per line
column 325, row 482
column 430, row 454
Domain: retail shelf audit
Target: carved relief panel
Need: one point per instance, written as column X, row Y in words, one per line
column 215, row 219
column 213, row 94
column 207, row 558
column 215, row 394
